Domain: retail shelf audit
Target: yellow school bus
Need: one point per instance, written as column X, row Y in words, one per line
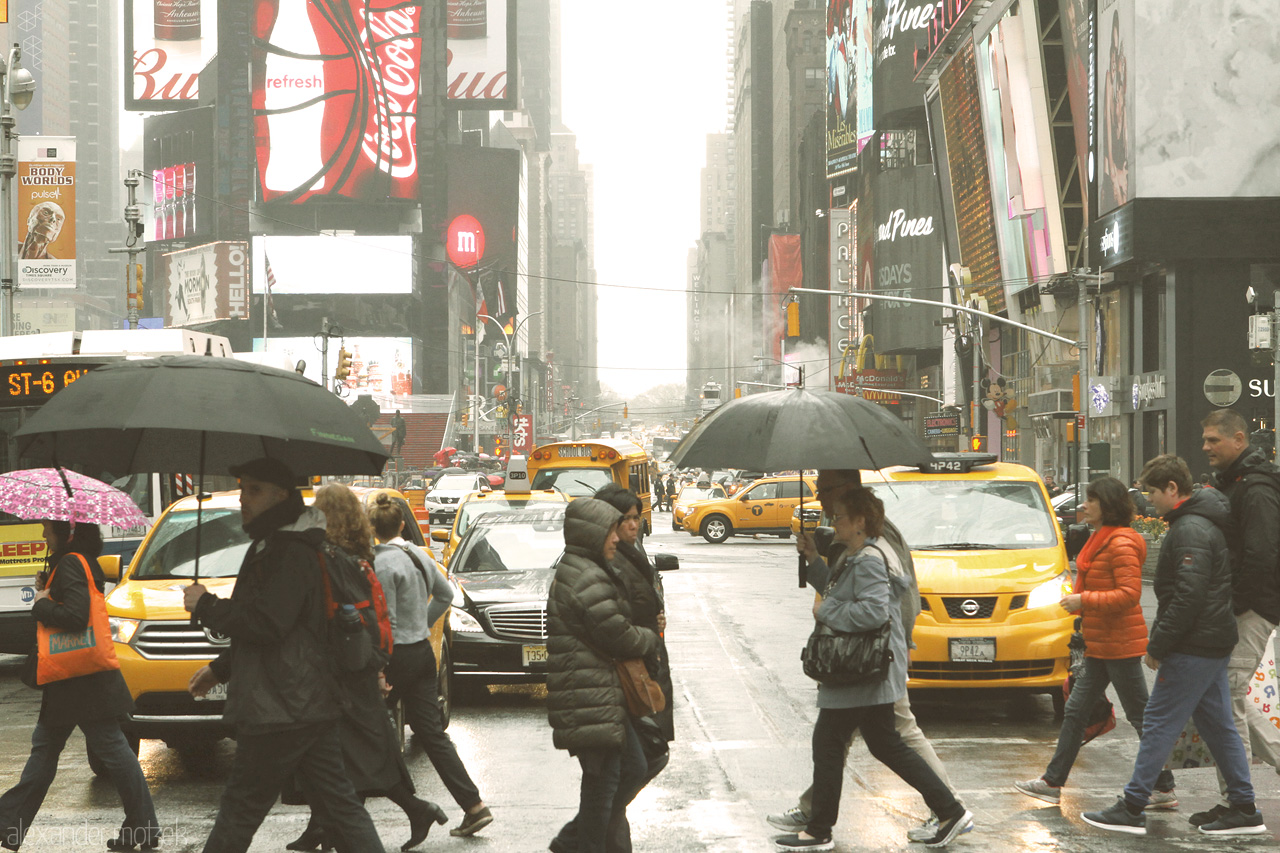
column 582, row 468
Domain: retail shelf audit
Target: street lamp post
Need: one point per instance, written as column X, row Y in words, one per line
column 17, row 87
column 510, row 341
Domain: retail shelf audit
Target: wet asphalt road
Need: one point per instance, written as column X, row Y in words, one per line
column 744, row 715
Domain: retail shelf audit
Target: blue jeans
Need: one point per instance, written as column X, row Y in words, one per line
column 610, row 781
column 19, row 805
column 1131, row 687
column 1190, row 687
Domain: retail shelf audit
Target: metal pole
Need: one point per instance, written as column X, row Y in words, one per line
column 324, row 353
column 133, row 224
column 475, row 383
column 1082, row 438
column 975, row 407
column 8, row 168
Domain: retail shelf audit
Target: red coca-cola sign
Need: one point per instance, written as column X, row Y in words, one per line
column 335, row 99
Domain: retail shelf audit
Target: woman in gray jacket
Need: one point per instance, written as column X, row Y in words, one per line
column 860, row 595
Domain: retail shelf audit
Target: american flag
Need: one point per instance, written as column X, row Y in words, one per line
column 271, row 283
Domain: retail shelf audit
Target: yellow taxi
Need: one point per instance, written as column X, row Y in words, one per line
column 516, row 495
column 688, row 496
column 763, row 507
column 991, row 566
column 158, row 647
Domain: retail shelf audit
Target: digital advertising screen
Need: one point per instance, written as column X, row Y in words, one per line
column 379, row 366
column 332, row 264
column 167, row 43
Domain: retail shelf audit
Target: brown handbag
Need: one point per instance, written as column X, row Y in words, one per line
column 644, row 695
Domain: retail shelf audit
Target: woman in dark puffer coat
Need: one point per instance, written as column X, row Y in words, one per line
column 589, row 626
column 1108, row 596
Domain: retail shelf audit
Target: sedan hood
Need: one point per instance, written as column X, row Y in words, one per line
column 497, row 587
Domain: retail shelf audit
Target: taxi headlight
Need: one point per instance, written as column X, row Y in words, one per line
column 122, row 630
column 461, row 620
column 1050, row 592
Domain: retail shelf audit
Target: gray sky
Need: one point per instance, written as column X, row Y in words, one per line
column 642, row 87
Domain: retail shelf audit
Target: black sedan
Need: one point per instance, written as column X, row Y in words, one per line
column 503, row 569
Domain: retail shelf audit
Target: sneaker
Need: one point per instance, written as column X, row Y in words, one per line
column 1039, row 789
column 1162, row 801
column 792, row 819
column 949, row 829
column 795, row 842
column 1236, row 822
column 1201, row 818
column 472, row 823
column 1117, row 818
column 927, row 830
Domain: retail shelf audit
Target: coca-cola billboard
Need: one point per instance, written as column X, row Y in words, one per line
column 335, row 99
column 167, row 43
column 481, row 57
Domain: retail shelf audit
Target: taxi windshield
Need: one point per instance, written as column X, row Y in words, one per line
column 510, row 543
column 940, row 515
column 574, row 482
column 693, row 493
column 171, row 551
column 471, row 510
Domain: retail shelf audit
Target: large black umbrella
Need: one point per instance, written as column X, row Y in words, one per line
column 179, row 413
column 797, row 429
column 169, row 413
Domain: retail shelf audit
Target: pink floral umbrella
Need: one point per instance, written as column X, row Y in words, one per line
column 61, row 495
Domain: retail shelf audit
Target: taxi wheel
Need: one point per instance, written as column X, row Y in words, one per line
column 716, row 529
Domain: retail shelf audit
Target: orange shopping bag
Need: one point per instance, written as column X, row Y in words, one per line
column 67, row 654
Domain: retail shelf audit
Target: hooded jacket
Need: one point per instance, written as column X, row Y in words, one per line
column 1110, row 588
column 1252, row 485
column 644, row 589
column 1193, row 581
column 277, row 667
column 589, row 627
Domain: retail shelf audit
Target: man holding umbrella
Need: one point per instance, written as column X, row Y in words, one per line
column 281, row 697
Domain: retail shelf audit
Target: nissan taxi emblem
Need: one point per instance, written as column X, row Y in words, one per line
column 969, row 607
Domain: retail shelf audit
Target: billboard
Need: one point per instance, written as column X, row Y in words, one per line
column 899, row 28
column 167, row 43
column 484, row 183
column 206, row 283
column 842, row 257
column 1204, row 86
column 34, row 315
column 842, row 87
column 970, row 184
column 177, row 152
column 333, row 264
column 907, row 258
column 1079, row 23
column 864, row 54
column 1116, row 113
column 46, row 211
column 480, row 38
column 522, row 434
column 335, row 99
column 379, row 366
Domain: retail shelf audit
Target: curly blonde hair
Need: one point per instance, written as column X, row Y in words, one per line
column 346, row 525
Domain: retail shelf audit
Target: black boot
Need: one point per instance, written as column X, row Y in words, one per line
column 422, row 814
column 312, row 838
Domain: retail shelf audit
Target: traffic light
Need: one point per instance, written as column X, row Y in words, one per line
column 344, row 365
column 497, row 443
column 462, row 418
column 137, row 286
column 793, row 319
column 975, row 443
column 624, row 411
column 737, row 393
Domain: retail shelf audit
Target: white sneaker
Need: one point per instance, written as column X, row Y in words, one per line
column 792, row 820
column 1162, row 801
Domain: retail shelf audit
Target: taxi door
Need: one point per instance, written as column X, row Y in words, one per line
column 789, row 492
column 758, row 506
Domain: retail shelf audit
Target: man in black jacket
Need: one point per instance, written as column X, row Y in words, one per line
column 1191, row 642
column 1252, row 484
column 282, row 695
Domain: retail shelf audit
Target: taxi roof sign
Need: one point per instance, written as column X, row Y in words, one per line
column 517, row 476
column 957, row 463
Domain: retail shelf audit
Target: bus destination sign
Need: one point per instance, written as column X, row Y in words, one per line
column 32, row 384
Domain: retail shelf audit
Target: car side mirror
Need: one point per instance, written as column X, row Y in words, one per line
column 110, row 564
column 1077, row 536
column 743, row 497
column 666, row 562
column 439, row 534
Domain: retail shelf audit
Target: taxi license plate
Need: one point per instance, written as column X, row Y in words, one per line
column 534, row 654
column 217, row 693
column 973, row 649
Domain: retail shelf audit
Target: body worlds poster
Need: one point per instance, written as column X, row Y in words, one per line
column 47, row 211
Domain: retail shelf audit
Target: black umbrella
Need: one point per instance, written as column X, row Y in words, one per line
column 797, row 429
column 175, row 413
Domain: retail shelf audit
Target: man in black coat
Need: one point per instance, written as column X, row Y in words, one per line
column 1191, row 641
column 1252, row 484
column 282, row 694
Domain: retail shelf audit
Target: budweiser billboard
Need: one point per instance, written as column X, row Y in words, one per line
column 207, row 283
column 335, row 99
column 47, row 211
column 481, row 56
column 167, row 43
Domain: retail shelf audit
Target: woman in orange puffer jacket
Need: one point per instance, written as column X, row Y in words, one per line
column 1108, row 597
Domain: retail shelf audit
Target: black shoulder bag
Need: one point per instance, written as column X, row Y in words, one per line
column 845, row 658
